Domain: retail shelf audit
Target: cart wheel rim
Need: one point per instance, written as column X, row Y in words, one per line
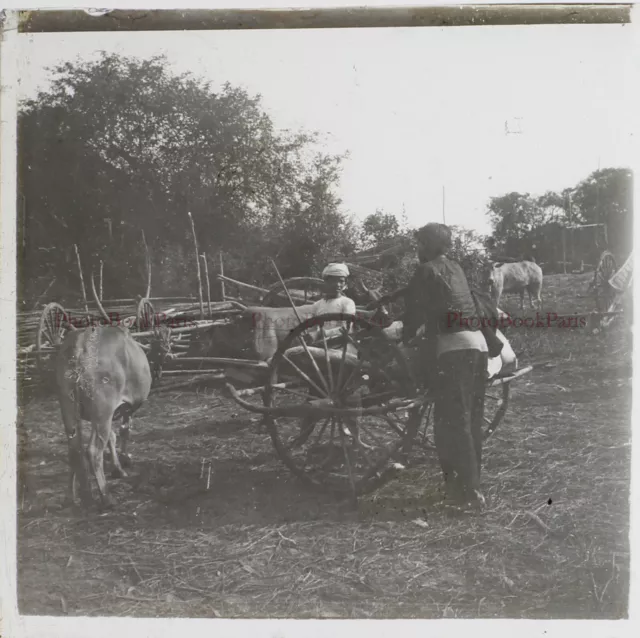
column 52, row 328
column 496, row 404
column 338, row 450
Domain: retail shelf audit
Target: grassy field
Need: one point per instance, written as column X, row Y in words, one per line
column 552, row 543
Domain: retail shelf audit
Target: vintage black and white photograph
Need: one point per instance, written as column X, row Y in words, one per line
column 325, row 322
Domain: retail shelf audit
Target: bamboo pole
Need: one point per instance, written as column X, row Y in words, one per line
column 195, row 243
column 242, row 284
column 206, row 277
column 302, row 341
column 223, row 361
column 264, row 291
column 221, row 278
column 126, row 302
column 44, row 293
column 84, row 291
column 148, row 261
column 103, row 312
column 100, row 291
column 150, row 333
column 215, row 373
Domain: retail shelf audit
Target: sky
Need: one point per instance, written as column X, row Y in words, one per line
column 476, row 111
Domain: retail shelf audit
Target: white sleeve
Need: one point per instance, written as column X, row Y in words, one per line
column 349, row 306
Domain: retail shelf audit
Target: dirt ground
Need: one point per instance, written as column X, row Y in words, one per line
column 552, row 543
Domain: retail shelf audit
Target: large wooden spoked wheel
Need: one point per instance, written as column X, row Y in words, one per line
column 361, row 399
column 603, row 292
column 145, row 316
column 305, row 289
column 52, row 329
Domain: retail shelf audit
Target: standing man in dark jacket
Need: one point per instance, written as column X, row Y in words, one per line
column 439, row 304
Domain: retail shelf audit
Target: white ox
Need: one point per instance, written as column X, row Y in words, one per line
column 517, row 277
column 101, row 373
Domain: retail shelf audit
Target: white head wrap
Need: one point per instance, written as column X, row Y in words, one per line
column 335, row 270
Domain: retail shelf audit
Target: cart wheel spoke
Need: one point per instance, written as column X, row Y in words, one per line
column 314, row 365
column 51, row 330
column 323, row 427
column 344, row 356
column 495, row 409
column 326, row 358
column 305, row 432
column 304, row 376
column 340, row 451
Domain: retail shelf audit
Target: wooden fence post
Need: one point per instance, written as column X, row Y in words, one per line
column 222, row 291
column 206, row 276
column 101, row 264
column 84, row 292
column 148, row 262
column 195, row 243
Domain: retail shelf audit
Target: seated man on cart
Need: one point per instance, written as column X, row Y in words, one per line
column 333, row 298
column 333, row 301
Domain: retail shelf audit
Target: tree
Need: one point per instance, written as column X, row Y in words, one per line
column 468, row 250
column 525, row 225
column 379, row 227
column 512, row 217
column 119, row 144
column 606, row 197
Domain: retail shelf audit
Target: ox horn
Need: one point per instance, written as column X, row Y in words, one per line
column 105, row 316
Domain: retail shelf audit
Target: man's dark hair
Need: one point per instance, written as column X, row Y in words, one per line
column 438, row 236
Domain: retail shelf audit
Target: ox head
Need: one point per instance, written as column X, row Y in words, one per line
column 160, row 350
column 490, row 280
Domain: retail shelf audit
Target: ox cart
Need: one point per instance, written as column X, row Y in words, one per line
column 343, row 406
column 340, row 398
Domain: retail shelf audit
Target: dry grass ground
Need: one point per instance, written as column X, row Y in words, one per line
column 553, row 542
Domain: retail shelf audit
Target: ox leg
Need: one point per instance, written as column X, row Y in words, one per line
column 534, row 293
column 117, row 471
column 522, row 301
column 125, row 431
column 77, row 467
column 100, row 438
